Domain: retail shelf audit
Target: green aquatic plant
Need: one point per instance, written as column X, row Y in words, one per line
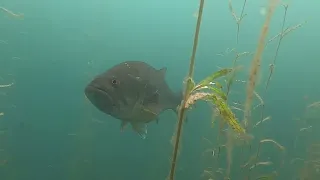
column 208, row 90
column 189, row 87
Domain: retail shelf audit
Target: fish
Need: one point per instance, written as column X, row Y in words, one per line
column 133, row 92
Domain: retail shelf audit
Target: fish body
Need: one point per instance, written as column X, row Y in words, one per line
column 133, row 92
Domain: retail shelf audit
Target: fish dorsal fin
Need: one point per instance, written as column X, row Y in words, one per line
column 162, row 72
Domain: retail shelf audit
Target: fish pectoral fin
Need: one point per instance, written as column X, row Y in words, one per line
column 148, row 110
column 153, row 108
column 123, row 125
column 140, row 128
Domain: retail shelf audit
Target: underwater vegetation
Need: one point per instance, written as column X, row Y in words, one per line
column 237, row 151
column 236, row 132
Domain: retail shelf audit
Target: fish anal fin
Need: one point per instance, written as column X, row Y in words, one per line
column 140, row 128
column 123, row 125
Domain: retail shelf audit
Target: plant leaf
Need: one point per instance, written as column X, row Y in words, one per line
column 226, row 113
column 208, row 80
column 190, row 84
column 219, row 92
column 214, row 90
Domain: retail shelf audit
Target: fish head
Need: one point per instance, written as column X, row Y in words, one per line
column 115, row 91
column 103, row 93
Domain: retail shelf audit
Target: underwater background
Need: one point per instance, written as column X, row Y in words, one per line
column 50, row 131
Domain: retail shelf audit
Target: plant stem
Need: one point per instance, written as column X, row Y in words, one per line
column 186, row 95
column 282, row 31
column 242, row 11
column 195, row 40
column 278, row 46
column 240, row 19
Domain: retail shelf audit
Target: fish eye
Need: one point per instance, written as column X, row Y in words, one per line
column 114, row 81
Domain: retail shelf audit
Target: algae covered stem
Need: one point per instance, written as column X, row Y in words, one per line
column 256, row 62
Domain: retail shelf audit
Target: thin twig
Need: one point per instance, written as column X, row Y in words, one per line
column 236, row 18
column 278, row 46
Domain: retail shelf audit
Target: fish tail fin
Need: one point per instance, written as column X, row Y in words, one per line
column 140, row 128
column 176, row 101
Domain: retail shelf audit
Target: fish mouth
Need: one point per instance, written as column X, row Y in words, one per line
column 99, row 96
column 97, row 88
column 90, row 89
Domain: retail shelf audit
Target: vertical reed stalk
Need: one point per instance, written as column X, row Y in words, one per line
column 186, row 95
